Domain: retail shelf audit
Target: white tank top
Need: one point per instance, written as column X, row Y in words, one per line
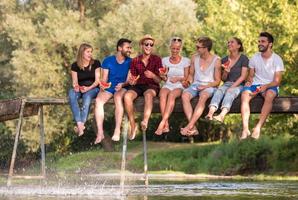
column 203, row 77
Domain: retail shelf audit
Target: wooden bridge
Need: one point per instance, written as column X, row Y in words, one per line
column 25, row 107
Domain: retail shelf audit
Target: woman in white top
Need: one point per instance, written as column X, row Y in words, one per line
column 177, row 71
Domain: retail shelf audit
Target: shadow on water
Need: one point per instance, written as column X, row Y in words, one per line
column 201, row 190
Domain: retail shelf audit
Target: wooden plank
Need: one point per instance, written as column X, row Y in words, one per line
column 280, row 105
column 10, row 109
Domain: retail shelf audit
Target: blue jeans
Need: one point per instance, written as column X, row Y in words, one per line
column 81, row 114
column 226, row 97
column 193, row 90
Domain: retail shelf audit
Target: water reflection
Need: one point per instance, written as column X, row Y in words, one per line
column 220, row 190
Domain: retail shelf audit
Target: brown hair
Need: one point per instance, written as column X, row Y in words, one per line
column 80, row 54
column 241, row 49
column 206, row 41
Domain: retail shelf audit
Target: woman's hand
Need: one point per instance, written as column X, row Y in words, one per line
column 84, row 89
column 202, row 87
column 76, row 88
column 174, row 79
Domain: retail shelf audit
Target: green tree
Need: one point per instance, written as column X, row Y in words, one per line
column 44, row 50
column 160, row 18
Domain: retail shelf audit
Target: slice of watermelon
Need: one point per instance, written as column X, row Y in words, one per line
column 162, row 70
column 104, row 85
column 226, row 64
column 135, row 78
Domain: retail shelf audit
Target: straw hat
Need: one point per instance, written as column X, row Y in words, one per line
column 146, row 37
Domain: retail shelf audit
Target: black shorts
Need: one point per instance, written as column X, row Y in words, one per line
column 140, row 89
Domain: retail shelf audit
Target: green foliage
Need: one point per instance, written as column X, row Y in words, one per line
column 39, row 40
column 136, row 18
column 245, row 157
column 6, row 146
column 86, row 162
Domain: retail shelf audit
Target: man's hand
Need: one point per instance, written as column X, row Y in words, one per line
column 118, row 87
column 149, row 74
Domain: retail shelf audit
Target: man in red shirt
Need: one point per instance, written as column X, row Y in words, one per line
column 143, row 81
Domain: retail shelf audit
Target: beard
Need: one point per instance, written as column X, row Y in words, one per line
column 263, row 48
column 125, row 53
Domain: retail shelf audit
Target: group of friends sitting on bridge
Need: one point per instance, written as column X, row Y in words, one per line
column 126, row 78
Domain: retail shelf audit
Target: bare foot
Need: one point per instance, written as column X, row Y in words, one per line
column 184, row 131
column 133, row 132
column 218, row 118
column 256, row 133
column 99, row 138
column 81, row 128
column 166, row 128
column 160, row 128
column 116, row 135
column 208, row 117
column 245, row 134
column 144, row 125
column 193, row 131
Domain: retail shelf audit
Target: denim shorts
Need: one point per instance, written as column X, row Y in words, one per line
column 253, row 88
column 193, row 90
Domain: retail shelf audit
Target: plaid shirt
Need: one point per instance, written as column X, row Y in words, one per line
column 137, row 67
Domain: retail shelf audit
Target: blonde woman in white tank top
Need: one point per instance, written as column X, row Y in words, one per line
column 205, row 75
column 177, row 67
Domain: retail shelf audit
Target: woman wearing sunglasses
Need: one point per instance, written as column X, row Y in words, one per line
column 175, row 73
column 235, row 69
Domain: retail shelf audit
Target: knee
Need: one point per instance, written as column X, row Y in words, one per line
column 230, row 94
column 98, row 102
column 71, row 94
column 172, row 96
column 162, row 95
column 148, row 97
column 245, row 96
column 128, row 98
column 185, row 97
column 269, row 97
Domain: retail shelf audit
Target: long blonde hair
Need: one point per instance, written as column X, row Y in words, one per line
column 80, row 55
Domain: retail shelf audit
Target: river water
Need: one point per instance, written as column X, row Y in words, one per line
column 201, row 190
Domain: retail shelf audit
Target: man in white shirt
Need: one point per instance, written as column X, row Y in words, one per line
column 265, row 75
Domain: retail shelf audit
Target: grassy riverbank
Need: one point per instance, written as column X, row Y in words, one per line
column 265, row 159
column 267, row 156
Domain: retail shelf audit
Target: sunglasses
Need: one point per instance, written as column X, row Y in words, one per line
column 198, row 47
column 176, row 39
column 149, row 44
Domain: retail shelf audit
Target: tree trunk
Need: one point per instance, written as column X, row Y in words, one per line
column 82, row 10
